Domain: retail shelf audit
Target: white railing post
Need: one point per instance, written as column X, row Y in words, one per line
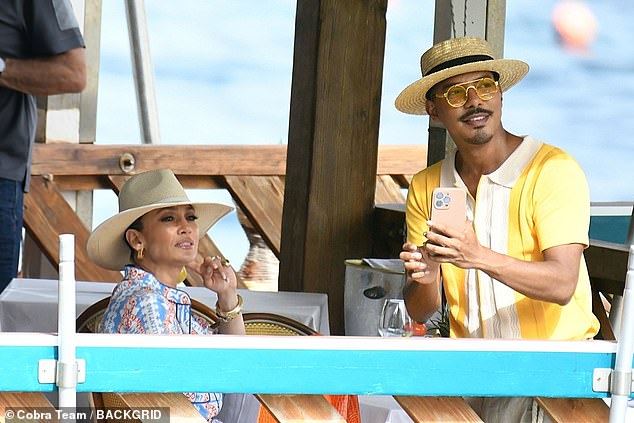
column 66, row 375
column 621, row 378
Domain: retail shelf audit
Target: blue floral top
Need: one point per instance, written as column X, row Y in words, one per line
column 141, row 304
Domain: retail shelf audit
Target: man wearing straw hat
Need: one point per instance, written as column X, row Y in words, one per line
column 516, row 270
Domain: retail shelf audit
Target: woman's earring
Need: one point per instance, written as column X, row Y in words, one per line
column 183, row 275
column 139, row 253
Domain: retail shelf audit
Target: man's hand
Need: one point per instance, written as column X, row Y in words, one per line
column 420, row 267
column 458, row 247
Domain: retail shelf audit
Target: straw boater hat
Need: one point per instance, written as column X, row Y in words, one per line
column 454, row 57
column 143, row 193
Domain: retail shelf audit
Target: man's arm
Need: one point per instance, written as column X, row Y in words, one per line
column 553, row 280
column 59, row 74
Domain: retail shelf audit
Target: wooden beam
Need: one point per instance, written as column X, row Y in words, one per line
column 297, row 408
column 261, row 199
column 577, row 410
column 388, row 191
column 46, row 216
column 437, row 409
column 401, row 159
column 27, row 401
column 64, row 159
column 86, row 162
column 180, row 408
column 333, row 144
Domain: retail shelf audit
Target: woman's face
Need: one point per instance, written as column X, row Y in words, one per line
column 169, row 237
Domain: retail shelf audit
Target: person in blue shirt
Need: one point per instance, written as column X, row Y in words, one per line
column 152, row 238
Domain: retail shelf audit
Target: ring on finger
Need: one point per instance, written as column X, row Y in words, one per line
column 225, row 263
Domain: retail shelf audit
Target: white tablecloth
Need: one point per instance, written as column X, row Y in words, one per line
column 31, row 304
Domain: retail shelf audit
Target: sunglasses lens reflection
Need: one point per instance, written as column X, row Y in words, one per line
column 457, row 95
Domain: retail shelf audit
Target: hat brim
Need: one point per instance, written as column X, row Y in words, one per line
column 412, row 99
column 106, row 245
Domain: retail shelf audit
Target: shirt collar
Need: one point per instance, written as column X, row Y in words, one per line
column 511, row 169
column 144, row 279
column 505, row 175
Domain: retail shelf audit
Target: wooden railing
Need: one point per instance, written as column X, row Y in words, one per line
column 253, row 175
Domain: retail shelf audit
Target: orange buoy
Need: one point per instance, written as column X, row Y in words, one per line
column 575, row 23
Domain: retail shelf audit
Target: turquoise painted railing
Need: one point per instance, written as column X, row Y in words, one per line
column 311, row 365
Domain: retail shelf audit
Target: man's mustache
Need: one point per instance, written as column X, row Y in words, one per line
column 475, row 111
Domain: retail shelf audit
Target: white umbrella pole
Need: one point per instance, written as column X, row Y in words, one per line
column 621, row 380
column 66, row 377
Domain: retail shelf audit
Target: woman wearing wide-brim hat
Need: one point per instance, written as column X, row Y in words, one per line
column 152, row 238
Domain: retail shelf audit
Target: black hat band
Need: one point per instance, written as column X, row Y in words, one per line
column 458, row 61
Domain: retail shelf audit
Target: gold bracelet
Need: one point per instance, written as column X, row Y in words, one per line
column 227, row 316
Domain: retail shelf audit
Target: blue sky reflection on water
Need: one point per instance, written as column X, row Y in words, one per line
column 223, row 76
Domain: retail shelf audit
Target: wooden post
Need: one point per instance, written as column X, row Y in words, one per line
column 464, row 18
column 333, row 144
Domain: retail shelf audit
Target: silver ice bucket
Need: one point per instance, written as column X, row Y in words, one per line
column 368, row 283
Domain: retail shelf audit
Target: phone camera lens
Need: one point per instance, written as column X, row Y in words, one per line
column 439, row 195
column 439, row 203
column 447, row 200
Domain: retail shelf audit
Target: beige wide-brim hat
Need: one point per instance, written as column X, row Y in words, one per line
column 141, row 194
column 454, row 57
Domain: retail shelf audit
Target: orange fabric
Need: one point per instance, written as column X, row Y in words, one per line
column 346, row 405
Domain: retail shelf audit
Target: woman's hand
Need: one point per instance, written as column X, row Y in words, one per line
column 218, row 276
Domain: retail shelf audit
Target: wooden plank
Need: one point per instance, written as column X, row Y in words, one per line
column 403, row 180
column 296, row 408
column 333, row 145
column 387, row 191
column 401, row 159
column 28, row 402
column 437, row 409
column 81, row 160
column 261, row 199
column 180, row 408
column 46, row 216
column 92, row 182
column 116, row 182
column 67, row 159
column 575, row 410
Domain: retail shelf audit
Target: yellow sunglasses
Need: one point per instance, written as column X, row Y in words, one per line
column 457, row 95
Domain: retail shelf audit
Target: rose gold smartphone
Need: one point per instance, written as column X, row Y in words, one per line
column 449, row 207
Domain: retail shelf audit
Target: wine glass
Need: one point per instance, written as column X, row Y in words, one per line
column 394, row 319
